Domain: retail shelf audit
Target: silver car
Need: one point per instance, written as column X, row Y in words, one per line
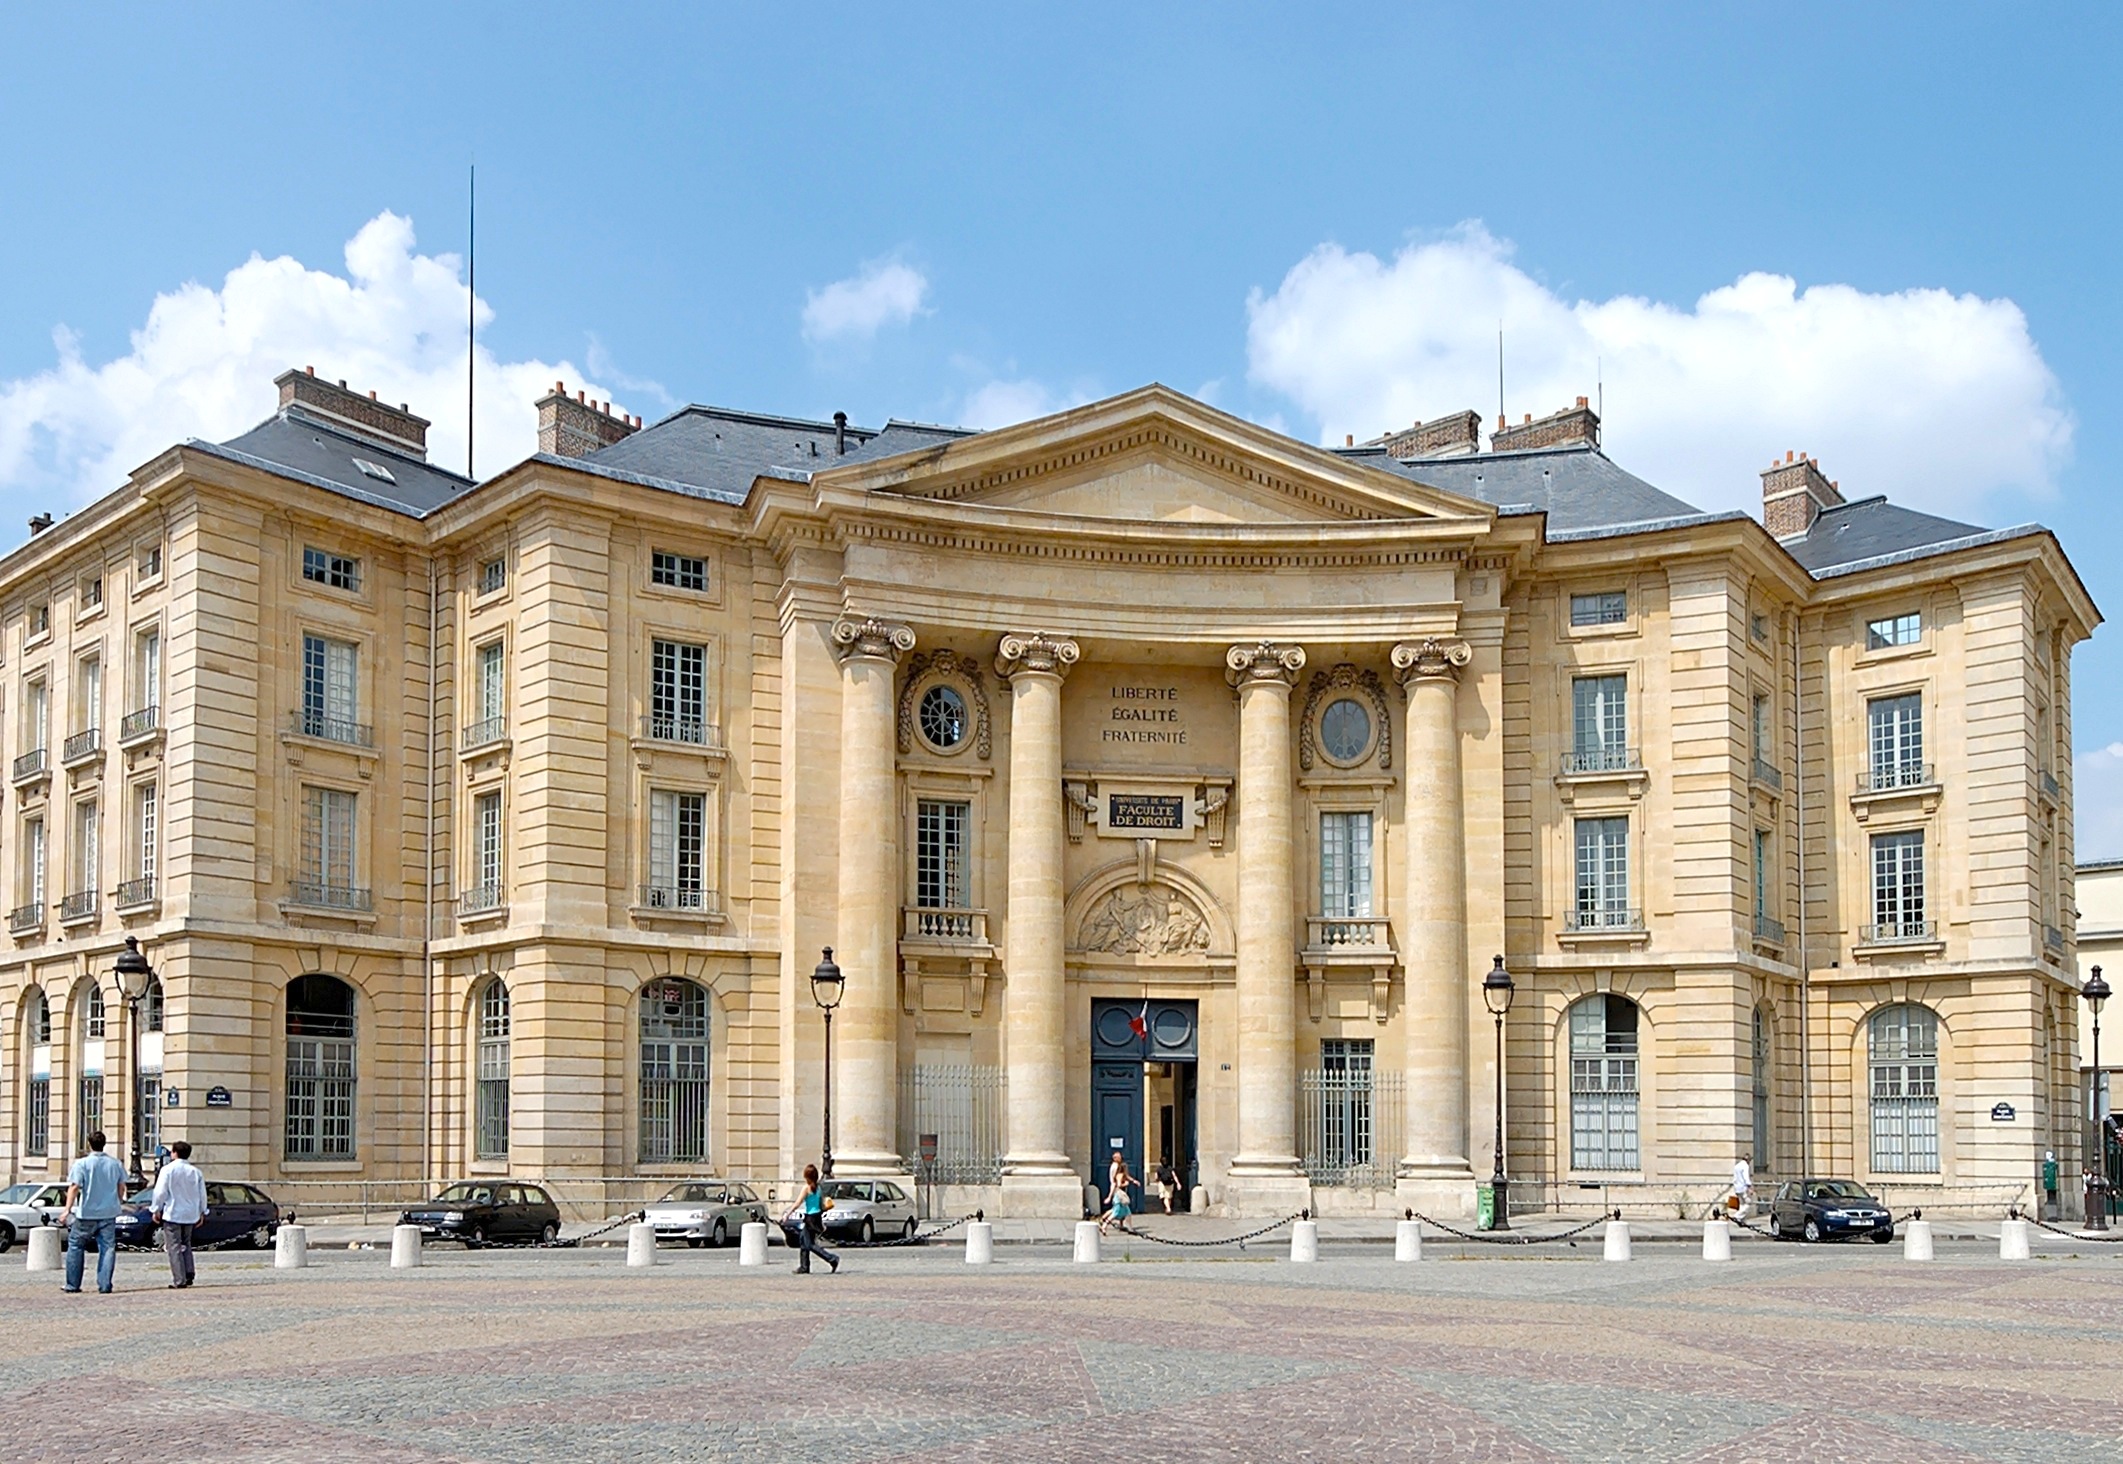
column 705, row 1211
column 867, row 1209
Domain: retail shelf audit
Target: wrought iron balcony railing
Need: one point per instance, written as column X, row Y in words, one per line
column 80, row 905
column 136, row 725
column 685, row 898
column 1610, row 918
column 321, row 894
column 25, row 917
column 1898, row 932
column 480, row 899
column 2051, row 788
column 688, row 730
column 1769, row 929
column 1768, row 776
column 332, row 729
column 485, row 731
column 135, row 892
column 82, row 746
column 33, row 764
column 1887, row 777
column 1602, row 760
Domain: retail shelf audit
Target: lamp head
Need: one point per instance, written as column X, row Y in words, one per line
column 827, row 983
column 1497, row 989
column 2095, row 991
column 132, row 970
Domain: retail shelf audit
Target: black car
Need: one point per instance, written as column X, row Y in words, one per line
column 479, row 1212
column 1829, row 1209
column 234, row 1212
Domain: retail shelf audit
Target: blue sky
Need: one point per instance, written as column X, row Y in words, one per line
column 1314, row 217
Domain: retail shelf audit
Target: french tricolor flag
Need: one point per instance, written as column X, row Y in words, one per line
column 1139, row 1024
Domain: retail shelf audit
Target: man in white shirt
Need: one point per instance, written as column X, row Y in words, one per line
column 179, row 1203
column 1742, row 1183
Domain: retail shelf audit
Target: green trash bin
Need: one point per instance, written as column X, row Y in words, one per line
column 1485, row 1207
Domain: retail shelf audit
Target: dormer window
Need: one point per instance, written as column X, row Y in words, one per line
column 1895, row 630
column 679, row 571
column 334, row 571
column 377, row 471
column 1608, row 607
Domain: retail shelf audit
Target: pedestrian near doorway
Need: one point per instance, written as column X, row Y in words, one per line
column 1117, row 1205
column 94, row 1187
column 178, row 1204
column 1167, row 1183
column 811, row 1224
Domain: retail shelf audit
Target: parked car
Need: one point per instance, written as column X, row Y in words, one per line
column 24, row 1207
column 864, row 1209
column 1828, row 1209
column 481, row 1211
column 233, row 1212
column 704, row 1211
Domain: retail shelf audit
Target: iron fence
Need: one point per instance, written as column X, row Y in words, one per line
column 1351, row 1126
column 963, row 1107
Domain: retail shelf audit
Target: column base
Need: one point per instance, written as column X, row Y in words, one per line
column 862, row 1165
column 1265, row 1191
column 1042, row 1196
column 1445, row 1194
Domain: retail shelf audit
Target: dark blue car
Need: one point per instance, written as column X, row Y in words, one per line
column 1829, row 1209
column 234, row 1212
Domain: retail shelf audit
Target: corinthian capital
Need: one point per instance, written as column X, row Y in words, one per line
column 1430, row 659
column 1035, row 651
column 1275, row 661
column 885, row 640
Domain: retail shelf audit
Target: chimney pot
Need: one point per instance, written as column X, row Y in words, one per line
column 1348, row 439
column 372, row 394
column 840, row 433
column 1789, row 454
column 1583, row 402
column 39, row 523
column 580, row 396
column 312, row 370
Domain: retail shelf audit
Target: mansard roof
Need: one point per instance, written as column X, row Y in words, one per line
column 1578, row 486
column 295, row 444
column 1872, row 531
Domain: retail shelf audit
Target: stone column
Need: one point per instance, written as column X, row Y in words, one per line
column 1435, row 1176
column 1265, row 1175
column 866, row 1028
column 1038, row 1179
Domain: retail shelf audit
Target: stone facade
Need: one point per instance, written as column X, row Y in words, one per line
column 1139, row 710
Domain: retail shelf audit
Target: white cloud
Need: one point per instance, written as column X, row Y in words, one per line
column 1933, row 398
column 203, row 366
column 2097, row 801
column 885, row 292
column 1000, row 403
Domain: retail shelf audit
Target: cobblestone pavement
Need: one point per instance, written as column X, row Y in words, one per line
column 1787, row 1353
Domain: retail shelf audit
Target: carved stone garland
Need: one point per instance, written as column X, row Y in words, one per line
column 1345, row 677
column 930, row 668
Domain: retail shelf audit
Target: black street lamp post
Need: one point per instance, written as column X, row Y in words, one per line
column 1497, row 991
column 2095, row 993
column 134, row 975
column 826, row 986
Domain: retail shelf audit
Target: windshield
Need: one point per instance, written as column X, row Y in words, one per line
column 466, row 1194
column 18, row 1194
column 690, row 1194
column 1837, row 1189
column 839, row 1189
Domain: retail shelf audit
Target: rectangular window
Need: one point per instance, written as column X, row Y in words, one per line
column 86, row 862
column 678, row 691
column 1894, row 630
column 1609, row 607
column 150, row 1096
column 320, row 1097
column 1603, row 874
column 1759, row 731
column 1345, row 865
column 40, row 620
column 679, row 571
column 1895, row 733
column 151, row 563
column 1898, row 886
column 942, row 853
column 328, row 840
column 92, row 593
column 492, row 1121
column 39, row 1137
column 1763, row 905
column 677, row 843
column 330, row 707
column 145, row 814
column 147, row 669
column 90, row 1117
column 493, row 576
column 1599, row 722
column 89, row 688
column 1603, row 1084
column 1345, row 1108
column 493, row 681
column 334, row 571
column 33, row 861
column 486, row 840
column 39, row 717
column 1904, row 1063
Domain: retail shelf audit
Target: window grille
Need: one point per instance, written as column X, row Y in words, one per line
column 1764, row 1160
column 330, row 704
column 320, row 1069
column 963, row 1106
column 148, row 810
column 1345, row 865
column 1904, row 1042
column 33, row 855
column 1345, row 1132
column 1898, row 885
column 335, row 571
column 1603, row 1084
column 492, row 1120
column 677, row 841
column 1602, row 873
column 37, row 1141
column 678, row 691
column 90, row 1116
column 942, row 852
column 94, row 1020
column 674, row 1073
column 679, row 571
column 1599, row 716
column 1609, row 607
column 1896, row 735
column 150, row 1098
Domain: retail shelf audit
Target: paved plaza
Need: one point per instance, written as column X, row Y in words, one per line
column 1787, row 1353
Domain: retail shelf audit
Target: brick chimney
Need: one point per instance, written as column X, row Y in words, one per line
column 1454, row 435
column 576, row 426
column 1793, row 495
column 1567, row 428
column 363, row 416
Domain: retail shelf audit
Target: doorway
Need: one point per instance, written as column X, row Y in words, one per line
column 1144, row 1087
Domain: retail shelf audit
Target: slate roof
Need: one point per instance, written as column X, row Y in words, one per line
column 1872, row 530
column 1578, row 487
column 721, row 452
column 295, row 444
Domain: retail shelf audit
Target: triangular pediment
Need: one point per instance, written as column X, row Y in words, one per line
column 1154, row 455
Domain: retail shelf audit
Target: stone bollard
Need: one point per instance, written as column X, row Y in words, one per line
column 1916, row 1240
column 1087, row 1242
column 291, row 1248
column 752, row 1244
column 2014, row 1241
column 1407, row 1240
column 1305, row 1240
column 405, row 1247
column 1198, row 1200
column 980, row 1243
column 47, row 1243
column 1717, row 1241
column 641, row 1244
column 1617, row 1241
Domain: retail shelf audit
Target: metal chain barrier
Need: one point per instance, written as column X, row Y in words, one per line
column 566, row 1243
column 915, row 1239
column 1237, row 1240
column 2110, row 1238
column 1511, row 1237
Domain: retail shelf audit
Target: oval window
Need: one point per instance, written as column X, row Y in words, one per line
column 943, row 718
column 1345, row 730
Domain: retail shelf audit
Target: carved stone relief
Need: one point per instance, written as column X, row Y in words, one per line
column 1344, row 677
column 1144, row 920
column 922, row 672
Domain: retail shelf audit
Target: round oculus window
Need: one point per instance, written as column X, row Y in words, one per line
column 1345, row 730
column 943, row 718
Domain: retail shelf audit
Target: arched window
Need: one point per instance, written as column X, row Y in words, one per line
column 88, row 1110
column 1603, row 1084
column 1764, row 1140
column 1904, row 1044
column 320, row 1068
column 491, row 1121
column 37, row 1025
column 674, row 1072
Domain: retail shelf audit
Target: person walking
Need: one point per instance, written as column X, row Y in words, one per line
column 178, row 1204
column 94, row 1187
column 1118, row 1206
column 811, row 1224
column 1167, row 1183
column 1742, row 1185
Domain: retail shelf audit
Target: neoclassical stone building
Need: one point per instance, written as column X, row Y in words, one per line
column 1161, row 784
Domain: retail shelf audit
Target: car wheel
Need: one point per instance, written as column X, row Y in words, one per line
column 694, row 1242
column 477, row 1238
column 1813, row 1229
column 908, row 1233
column 722, row 1235
column 869, row 1230
column 7, row 1237
column 1881, row 1237
column 260, row 1238
column 549, row 1234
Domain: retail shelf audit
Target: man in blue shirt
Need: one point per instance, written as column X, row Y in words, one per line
column 94, row 1187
